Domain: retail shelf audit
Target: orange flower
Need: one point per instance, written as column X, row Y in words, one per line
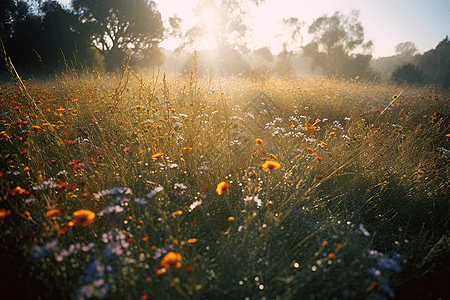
column 259, row 141
column 156, row 155
column 160, row 272
column 222, row 188
column 324, row 243
column 4, row 213
column 332, row 133
column 372, row 287
column 145, row 238
column 340, row 246
column 82, row 216
column 60, row 111
column 270, row 165
column 52, row 213
column 36, row 128
column 309, row 127
column 231, row 219
column 187, row 148
column 25, row 171
column 177, row 213
column 17, row 191
column 171, row 260
column 332, row 256
column 192, row 241
column 310, row 150
column 273, row 156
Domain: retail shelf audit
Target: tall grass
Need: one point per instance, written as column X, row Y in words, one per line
column 358, row 208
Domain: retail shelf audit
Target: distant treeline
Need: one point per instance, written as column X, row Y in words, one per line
column 431, row 67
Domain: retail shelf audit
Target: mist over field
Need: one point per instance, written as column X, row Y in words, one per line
column 216, row 169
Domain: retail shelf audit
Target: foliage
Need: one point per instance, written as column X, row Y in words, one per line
column 407, row 74
column 115, row 27
column 229, row 29
column 334, row 40
column 435, row 64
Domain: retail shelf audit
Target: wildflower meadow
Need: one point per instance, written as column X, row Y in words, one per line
column 146, row 185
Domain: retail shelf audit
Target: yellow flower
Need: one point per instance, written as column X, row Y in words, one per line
column 270, row 165
column 61, row 110
column 36, row 128
column 171, row 261
column 323, row 143
column 222, row 188
column 83, row 217
column 156, row 155
column 259, row 141
column 273, row 156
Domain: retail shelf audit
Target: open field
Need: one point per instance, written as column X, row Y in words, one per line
column 152, row 186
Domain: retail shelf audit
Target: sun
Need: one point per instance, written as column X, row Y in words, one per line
column 209, row 16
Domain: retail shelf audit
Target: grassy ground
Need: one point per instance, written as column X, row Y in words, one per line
column 151, row 186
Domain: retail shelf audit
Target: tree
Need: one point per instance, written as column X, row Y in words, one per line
column 290, row 36
column 24, row 44
column 223, row 27
column 7, row 10
column 407, row 74
column 221, row 21
column 406, row 49
column 117, row 26
column 334, row 39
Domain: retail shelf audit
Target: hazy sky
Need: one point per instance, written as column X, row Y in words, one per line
column 386, row 22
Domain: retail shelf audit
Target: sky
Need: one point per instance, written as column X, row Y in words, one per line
column 386, row 22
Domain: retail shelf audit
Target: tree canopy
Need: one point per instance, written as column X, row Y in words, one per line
column 115, row 26
column 335, row 39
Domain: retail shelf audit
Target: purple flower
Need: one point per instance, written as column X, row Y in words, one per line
column 362, row 230
column 386, row 263
column 113, row 250
column 139, row 201
column 179, row 186
column 37, row 252
column 51, row 244
column 88, row 247
column 155, row 191
column 387, row 289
